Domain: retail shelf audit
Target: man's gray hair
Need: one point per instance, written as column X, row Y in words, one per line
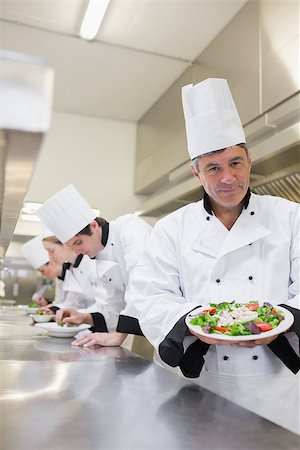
column 195, row 160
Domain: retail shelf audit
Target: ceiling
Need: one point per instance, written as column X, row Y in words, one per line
column 142, row 47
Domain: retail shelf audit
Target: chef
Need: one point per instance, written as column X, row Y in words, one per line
column 110, row 250
column 33, row 250
column 232, row 245
column 67, row 290
column 66, row 257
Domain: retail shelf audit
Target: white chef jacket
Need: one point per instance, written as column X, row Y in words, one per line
column 105, row 278
column 192, row 259
column 68, row 293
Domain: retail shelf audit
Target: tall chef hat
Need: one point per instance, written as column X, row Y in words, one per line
column 45, row 233
column 66, row 213
column 35, row 253
column 211, row 119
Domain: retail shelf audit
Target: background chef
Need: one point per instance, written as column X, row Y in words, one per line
column 233, row 244
column 111, row 250
column 33, row 250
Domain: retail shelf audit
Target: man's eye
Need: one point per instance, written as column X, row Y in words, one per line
column 236, row 163
column 212, row 169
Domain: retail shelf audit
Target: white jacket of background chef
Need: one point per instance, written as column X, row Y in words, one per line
column 106, row 277
column 68, row 293
column 192, row 259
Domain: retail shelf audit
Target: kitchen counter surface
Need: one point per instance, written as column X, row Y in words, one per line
column 56, row 397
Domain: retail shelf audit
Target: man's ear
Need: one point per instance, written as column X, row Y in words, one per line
column 194, row 171
column 94, row 225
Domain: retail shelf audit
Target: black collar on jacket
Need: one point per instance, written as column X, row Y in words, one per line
column 105, row 232
column 207, row 203
column 65, row 267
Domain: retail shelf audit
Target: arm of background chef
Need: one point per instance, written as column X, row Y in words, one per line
column 133, row 237
column 154, row 297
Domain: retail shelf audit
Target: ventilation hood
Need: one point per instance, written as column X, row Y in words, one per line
column 274, row 143
column 26, row 86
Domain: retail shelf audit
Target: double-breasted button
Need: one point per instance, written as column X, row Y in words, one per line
column 109, row 279
column 252, row 213
column 250, row 277
column 255, row 357
column 225, row 358
column 207, row 218
column 218, row 280
column 112, row 243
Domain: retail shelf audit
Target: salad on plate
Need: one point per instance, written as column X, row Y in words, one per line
column 237, row 319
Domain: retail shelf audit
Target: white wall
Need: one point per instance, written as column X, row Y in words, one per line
column 96, row 155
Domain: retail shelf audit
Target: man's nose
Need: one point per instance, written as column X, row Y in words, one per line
column 227, row 176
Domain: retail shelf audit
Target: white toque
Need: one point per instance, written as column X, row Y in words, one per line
column 66, row 213
column 211, row 119
column 35, row 252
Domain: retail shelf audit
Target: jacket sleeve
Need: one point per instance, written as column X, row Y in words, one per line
column 154, row 294
column 129, row 325
column 99, row 323
column 134, row 237
column 294, row 286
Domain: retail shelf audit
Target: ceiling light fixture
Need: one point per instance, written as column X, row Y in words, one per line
column 92, row 19
column 29, row 209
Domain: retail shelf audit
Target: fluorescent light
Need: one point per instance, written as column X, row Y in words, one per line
column 93, row 17
column 30, row 207
column 30, row 218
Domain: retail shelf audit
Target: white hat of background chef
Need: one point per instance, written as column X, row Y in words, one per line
column 35, row 253
column 66, row 213
column 45, row 233
column 211, row 118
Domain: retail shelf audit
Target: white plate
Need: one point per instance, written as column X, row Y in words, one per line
column 42, row 318
column 284, row 325
column 57, row 331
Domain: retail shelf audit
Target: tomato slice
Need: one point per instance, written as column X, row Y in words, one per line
column 223, row 329
column 253, row 306
column 264, row 326
column 210, row 311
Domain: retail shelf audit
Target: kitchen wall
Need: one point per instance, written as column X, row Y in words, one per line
column 105, row 178
column 71, row 153
column 258, row 52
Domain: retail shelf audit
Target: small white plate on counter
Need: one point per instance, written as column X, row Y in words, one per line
column 28, row 309
column 58, row 331
column 42, row 318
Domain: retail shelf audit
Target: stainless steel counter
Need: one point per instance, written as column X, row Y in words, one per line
column 56, row 397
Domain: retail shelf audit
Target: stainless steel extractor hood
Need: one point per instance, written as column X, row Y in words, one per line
column 274, row 143
column 26, row 85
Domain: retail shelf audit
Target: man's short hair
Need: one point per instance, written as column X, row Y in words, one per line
column 87, row 230
column 195, row 160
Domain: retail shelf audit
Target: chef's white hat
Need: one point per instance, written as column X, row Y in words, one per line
column 35, row 253
column 66, row 213
column 211, row 118
column 45, row 233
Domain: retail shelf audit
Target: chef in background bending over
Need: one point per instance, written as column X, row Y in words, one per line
column 111, row 250
column 232, row 245
column 35, row 253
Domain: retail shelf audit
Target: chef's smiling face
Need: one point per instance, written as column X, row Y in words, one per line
column 87, row 245
column 225, row 176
